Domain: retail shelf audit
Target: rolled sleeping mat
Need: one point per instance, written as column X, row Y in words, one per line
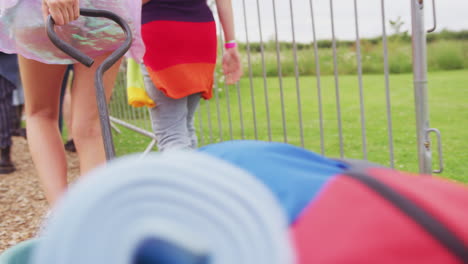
column 19, row 253
column 176, row 207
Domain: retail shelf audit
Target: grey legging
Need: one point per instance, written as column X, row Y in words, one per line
column 172, row 119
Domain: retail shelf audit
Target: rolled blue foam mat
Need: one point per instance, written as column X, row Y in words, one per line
column 177, row 207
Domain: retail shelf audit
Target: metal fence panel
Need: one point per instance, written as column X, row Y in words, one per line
column 304, row 82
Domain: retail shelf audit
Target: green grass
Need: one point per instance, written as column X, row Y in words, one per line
column 442, row 55
column 448, row 93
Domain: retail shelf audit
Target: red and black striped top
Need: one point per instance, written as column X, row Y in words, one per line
column 180, row 40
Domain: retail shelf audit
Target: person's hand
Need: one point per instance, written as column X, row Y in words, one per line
column 144, row 1
column 232, row 66
column 62, row 11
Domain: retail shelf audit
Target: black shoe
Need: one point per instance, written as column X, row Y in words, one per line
column 70, row 146
column 19, row 132
column 6, row 166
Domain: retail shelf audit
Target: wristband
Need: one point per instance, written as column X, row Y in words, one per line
column 230, row 44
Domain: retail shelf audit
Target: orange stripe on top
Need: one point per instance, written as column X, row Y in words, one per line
column 184, row 79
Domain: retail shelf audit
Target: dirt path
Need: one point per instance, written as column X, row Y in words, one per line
column 22, row 202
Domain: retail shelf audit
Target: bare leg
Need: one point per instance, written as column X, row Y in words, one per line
column 86, row 128
column 41, row 84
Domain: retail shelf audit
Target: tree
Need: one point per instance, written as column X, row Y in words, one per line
column 397, row 25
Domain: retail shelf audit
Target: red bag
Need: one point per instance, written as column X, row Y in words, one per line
column 377, row 215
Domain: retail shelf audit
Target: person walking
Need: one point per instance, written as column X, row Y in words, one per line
column 9, row 81
column 42, row 66
column 179, row 63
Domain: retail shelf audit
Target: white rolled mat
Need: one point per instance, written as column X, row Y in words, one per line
column 193, row 200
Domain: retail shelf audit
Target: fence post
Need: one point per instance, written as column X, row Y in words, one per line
column 420, row 85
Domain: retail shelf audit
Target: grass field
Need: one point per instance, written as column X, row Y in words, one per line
column 448, row 101
column 442, row 55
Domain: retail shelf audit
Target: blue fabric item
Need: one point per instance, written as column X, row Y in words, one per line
column 9, row 68
column 293, row 174
column 153, row 251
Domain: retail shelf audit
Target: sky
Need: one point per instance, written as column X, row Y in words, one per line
column 451, row 14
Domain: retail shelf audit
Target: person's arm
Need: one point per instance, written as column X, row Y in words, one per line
column 144, row 1
column 226, row 16
column 232, row 66
column 62, row 11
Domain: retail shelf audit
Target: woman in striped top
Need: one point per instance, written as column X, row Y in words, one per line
column 181, row 47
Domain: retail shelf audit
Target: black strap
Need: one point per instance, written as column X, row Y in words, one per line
column 429, row 223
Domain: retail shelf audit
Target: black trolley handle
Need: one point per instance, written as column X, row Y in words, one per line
column 106, row 64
